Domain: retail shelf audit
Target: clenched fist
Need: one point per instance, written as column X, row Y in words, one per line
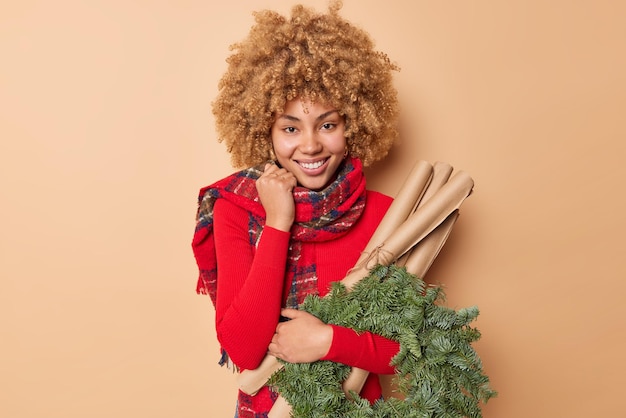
column 275, row 187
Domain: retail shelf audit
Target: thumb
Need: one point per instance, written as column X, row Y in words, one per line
column 290, row 313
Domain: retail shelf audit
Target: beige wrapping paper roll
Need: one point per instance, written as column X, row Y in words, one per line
column 426, row 218
column 417, row 226
column 280, row 409
column 405, row 202
column 251, row 381
column 441, row 174
column 424, row 253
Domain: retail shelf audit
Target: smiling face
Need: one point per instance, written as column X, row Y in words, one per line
column 308, row 140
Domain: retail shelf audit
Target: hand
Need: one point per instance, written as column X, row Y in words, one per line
column 275, row 188
column 302, row 339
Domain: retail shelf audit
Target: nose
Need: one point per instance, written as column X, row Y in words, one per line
column 310, row 143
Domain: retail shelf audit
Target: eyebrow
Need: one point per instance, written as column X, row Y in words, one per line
column 320, row 117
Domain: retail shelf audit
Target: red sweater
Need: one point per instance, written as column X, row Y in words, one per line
column 252, row 289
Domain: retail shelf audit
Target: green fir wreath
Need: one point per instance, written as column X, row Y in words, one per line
column 439, row 373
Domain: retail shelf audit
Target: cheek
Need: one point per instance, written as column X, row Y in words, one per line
column 337, row 145
column 281, row 147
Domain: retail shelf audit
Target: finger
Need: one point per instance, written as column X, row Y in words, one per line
column 291, row 178
column 272, row 349
column 285, row 178
column 281, row 172
column 275, row 173
column 290, row 313
column 269, row 169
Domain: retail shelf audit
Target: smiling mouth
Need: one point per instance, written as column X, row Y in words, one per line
column 312, row 165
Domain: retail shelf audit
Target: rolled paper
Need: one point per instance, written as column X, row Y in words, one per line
column 441, row 174
column 251, row 381
column 280, row 409
column 405, row 202
column 389, row 384
column 424, row 253
column 426, row 218
column 354, row 382
column 418, row 225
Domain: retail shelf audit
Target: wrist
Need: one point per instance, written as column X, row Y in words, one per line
column 279, row 224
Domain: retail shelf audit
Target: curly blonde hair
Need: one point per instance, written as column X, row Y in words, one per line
column 315, row 57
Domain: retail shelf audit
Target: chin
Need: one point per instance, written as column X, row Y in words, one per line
column 315, row 185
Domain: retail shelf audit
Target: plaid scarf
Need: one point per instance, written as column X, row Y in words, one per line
column 320, row 216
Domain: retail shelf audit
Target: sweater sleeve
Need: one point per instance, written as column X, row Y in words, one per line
column 250, row 285
column 366, row 351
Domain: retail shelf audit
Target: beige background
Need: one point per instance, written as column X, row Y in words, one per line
column 106, row 137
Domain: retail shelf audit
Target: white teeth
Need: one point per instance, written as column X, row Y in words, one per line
column 312, row 166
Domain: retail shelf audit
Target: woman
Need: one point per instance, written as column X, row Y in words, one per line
column 306, row 102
